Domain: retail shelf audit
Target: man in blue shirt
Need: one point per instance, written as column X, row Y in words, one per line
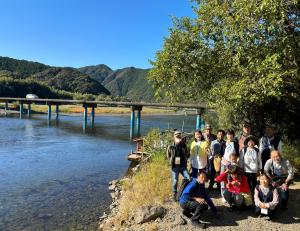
column 194, row 199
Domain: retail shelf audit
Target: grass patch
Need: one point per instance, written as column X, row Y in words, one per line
column 150, row 186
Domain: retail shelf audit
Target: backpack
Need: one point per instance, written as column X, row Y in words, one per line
column 183, row 185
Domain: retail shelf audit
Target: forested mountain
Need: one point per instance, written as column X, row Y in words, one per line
column 59, row 78
column 97, row 72
column 70, row 79
column 128, row 82
column 22, row 68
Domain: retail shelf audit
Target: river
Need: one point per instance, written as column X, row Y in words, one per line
column 55, row 177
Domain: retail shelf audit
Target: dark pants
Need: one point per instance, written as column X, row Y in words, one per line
column 212, row 174
column 233, row 199
column 284, row 197
column 252, row 182
column 271, row 213
column 194, row 207
column 196, row 170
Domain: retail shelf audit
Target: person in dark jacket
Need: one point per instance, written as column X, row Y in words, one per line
column 269, row 142
column 194, row 199
column 178, row 155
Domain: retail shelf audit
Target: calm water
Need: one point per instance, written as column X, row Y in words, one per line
column 54, row 177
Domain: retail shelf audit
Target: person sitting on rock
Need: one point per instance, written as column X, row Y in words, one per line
column 194, row 199
column 281, row 172
column 177, row 155
column 236, row 191
column 266, row 198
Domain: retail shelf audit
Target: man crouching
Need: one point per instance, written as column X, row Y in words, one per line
column 194, row 199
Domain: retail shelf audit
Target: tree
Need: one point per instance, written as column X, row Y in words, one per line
column 242, row 57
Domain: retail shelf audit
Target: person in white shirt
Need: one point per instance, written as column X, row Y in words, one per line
column 250, row 161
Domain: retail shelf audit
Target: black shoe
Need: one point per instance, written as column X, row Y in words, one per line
column 187, row 214
column 197, row 224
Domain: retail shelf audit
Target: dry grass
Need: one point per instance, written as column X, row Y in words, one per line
column 150, row 186
column 98, row 110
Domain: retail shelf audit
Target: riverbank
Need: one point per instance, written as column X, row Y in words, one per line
column 76, row 109
column 143, row 202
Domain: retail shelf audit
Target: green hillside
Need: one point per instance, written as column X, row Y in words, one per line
column 70, row 79
column 97, row 72
column 59, row 78
column 131, row 83
column 21, row 68
column 20, row 88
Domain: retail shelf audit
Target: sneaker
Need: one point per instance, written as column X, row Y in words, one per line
column 187, row 214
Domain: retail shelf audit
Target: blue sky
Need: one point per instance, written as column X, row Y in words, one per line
column 76, row 33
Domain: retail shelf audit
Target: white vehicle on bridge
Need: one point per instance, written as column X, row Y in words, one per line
column 31, row 96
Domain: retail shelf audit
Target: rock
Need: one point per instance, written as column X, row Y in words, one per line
column 179, row 220
column 149, row 213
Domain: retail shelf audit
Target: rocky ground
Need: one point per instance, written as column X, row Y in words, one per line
column 226, row 220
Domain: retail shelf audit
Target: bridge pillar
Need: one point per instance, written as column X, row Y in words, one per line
column 138, row 120
column 6, row 107
column 199, row 119
column 57, row 110
column 29, row 110
column 85, row 113
column 21, row 109
column 49, row 112
column 132, row 118
column 93, row 115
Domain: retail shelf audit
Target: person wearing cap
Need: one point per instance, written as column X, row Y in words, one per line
column 281, row 173
column 250, row 161
column 269, row 142
column 208, row 136
column 178, row 155
column 246, row 131
column 236, row 187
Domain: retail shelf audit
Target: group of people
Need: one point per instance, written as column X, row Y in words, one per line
column 248, row 172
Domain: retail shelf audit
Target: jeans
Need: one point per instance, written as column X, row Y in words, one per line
column 284, row 197
column 175, row 173
column 194, row 207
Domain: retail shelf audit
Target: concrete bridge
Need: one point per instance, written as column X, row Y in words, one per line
column 136, row 108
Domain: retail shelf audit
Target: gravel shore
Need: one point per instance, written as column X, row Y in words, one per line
column 227, row 220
